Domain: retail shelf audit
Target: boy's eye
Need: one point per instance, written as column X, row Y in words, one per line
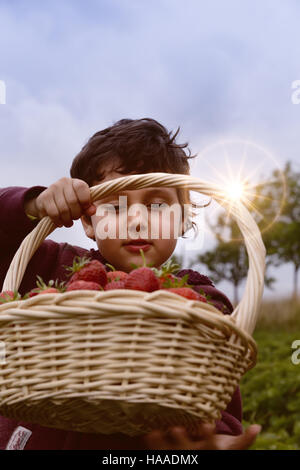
column 157, row 205
column 116, row 208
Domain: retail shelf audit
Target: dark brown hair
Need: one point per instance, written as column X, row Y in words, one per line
column 134, row 146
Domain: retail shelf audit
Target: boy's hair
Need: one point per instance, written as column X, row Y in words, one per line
column 134, row 146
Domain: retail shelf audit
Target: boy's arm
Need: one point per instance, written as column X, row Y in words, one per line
column 63, row 201
column 15, row 225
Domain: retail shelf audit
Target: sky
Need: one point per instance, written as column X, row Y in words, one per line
column 221, row 70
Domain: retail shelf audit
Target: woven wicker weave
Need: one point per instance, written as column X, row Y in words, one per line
column 124, row 360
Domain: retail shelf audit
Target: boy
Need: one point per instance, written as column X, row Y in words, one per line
column 127, row 147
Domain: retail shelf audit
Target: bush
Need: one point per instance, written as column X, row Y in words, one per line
column 271, row 390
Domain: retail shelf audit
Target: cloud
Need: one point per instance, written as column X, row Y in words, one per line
column 217, row 69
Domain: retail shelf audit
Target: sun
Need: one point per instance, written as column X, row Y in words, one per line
column 235, row 191
column 241, row 170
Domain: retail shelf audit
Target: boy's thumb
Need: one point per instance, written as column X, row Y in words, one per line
column 91, row 210
column 244, row 441
column 254, row 429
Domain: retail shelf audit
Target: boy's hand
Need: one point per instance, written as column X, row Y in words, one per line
column 64, row 201
column 206, row 439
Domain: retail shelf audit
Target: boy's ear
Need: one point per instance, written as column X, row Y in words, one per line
column 88, row 226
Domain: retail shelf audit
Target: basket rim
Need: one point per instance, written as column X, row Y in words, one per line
column 246, row 313
column 20, row 311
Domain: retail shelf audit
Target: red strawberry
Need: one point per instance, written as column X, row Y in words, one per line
column 83, row 285
column 115, row 285
column 116, row 276
column 8, row 295
column 187, row 293
column 32, row 293
column 168, row 280
column 51, row 290
column 142, row 279
column 43, row 288
column 84, row 269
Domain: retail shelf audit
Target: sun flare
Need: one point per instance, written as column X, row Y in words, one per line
column 235, row 191
column 243, row 172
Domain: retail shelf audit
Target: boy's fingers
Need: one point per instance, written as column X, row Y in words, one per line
column 244, row 441
column 40, row 208
column 177, row 437
column 83, row 195
column 90, row 211
column 153, row 440
column 72, row 202
column 82, row 192
column 62, row 206
column 204, row 431
column 51, row 210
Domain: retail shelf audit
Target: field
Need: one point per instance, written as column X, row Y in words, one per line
column 271, row 390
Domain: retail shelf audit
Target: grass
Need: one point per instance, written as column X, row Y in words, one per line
column 279, row 313
column 271, row 390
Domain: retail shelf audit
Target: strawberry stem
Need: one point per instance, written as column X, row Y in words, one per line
column 110, row 266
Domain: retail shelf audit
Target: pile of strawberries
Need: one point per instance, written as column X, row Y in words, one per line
column 86, row 274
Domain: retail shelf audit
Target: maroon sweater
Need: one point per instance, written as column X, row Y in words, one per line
column 48, row 262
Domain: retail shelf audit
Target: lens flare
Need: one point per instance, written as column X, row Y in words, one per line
column 244, row 170
column 235, row 191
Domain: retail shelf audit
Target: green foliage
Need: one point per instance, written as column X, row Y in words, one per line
column 282, row 238
column 227, row 261
column 271, row 390
column 177, row 259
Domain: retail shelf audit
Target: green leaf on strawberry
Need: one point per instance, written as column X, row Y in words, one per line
column 78, row 263
column 9, row 296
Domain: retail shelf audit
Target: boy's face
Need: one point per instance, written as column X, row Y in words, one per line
column 127, row 225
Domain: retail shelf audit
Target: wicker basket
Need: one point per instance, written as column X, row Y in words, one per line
column 126, row 361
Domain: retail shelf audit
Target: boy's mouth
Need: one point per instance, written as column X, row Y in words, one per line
column 136, row 245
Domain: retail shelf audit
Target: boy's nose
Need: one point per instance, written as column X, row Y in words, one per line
column 138, row 225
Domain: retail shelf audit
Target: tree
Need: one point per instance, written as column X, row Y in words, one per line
column 283, row 239
column 229, row 262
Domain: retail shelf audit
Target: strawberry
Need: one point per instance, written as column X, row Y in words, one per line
column 84, row 269
column 83, row 285
column 187, row 293
column 167, row 279
column 51, row 290
column 43, row 288
column 8, row 296
column 142, row 279
column 115, row 275
column 115, row 285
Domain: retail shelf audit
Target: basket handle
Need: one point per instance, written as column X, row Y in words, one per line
column 246, row 312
